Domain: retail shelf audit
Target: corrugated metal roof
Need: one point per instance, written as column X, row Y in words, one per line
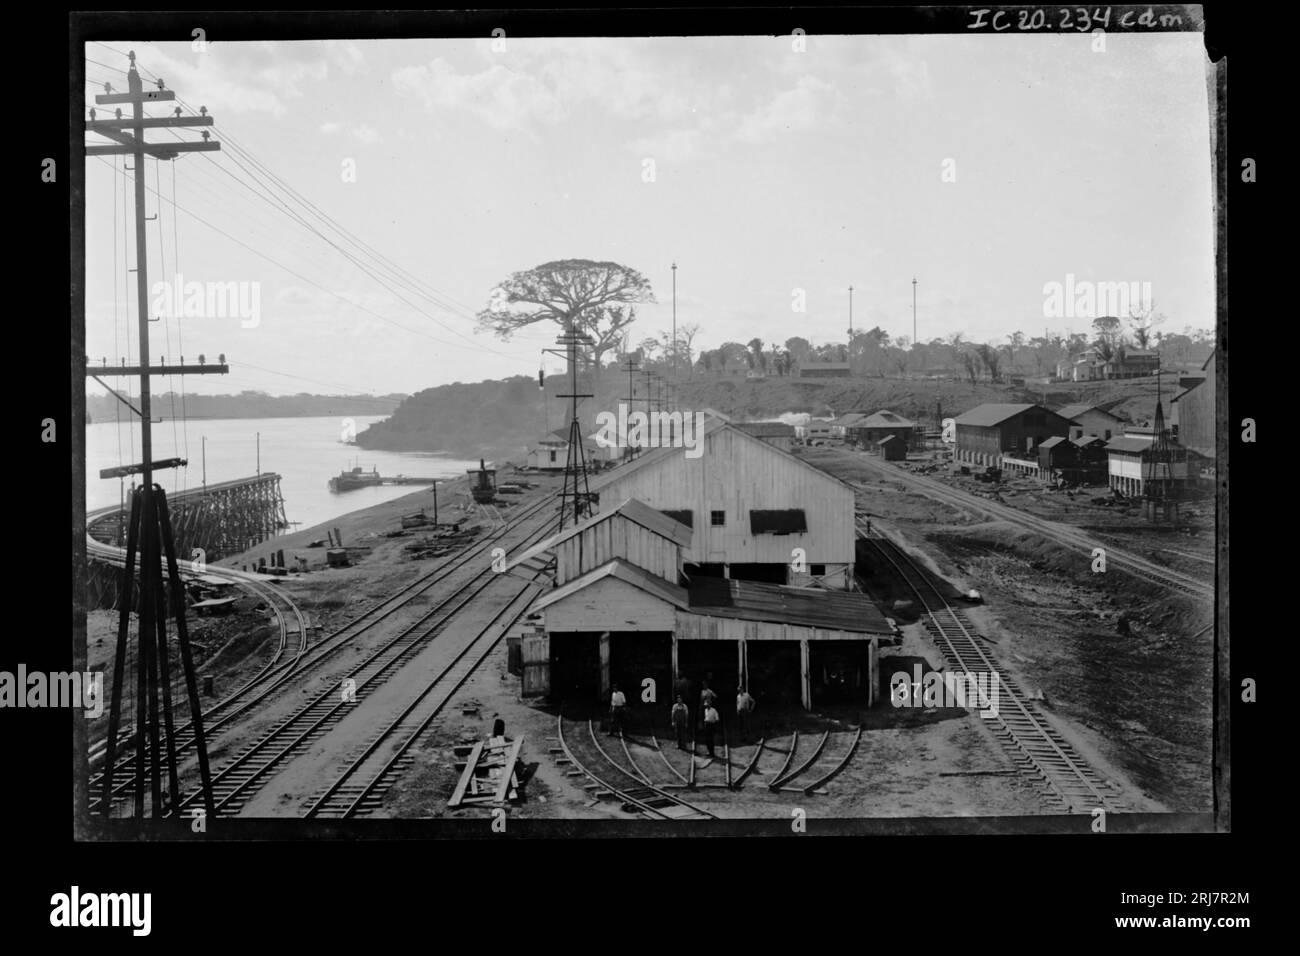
column 1072, row 411
column 636, row 511
column 849, row 419
column 886, row 419
column 711, row 425
column 766, row 429
column 1128, row 444
column 991, row 414
column 782, row 521
column 628, row 573
column 781, row 604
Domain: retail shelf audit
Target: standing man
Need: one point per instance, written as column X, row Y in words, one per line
column 711, row 720
column 744, row 707
column 681, row 719
column 707, row 696
column 498, row 726
column 617, row 702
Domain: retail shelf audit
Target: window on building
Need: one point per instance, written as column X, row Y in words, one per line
column 686, row 517
column 1107, row 434
column 717, row 518
column 785, row 521
column 552, row 457
column 817, row 570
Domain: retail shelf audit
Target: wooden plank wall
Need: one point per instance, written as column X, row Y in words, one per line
column 737, row 474
column 617, row 538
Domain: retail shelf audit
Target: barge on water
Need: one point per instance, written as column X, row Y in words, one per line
column 356, row 478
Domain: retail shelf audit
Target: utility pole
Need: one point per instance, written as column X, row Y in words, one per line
column 149, row 533
column 205, row 462
column 850, row 316
column 259, row 453
column 674, row 321
column 576, row 466
column 913, row 310
column 630, row 366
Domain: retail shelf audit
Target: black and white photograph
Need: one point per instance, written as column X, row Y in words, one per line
column 599, row 429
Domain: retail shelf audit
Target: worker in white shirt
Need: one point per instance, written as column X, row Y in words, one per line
column 617, row 704
column 711, row 721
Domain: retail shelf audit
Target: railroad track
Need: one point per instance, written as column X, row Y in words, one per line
column 1038, row 750
column 1053, row 531
column 608, row 777
column 234, row 784
column 360, row 789
column 277, row 672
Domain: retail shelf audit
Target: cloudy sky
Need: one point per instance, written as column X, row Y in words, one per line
column 773, row 170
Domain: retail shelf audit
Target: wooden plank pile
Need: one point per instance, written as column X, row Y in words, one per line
column 491, row 773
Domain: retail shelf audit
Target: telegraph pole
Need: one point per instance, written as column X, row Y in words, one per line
column 913, row 310
column 576, row 465
column 149, row 531
column 630, row 366
column 674, row 321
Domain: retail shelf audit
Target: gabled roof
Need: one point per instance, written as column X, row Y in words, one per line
column 1073, row 411
column 782, row 604
column 628, row 573
column 849, row 419
column 992, row 413
column 1051, row 442
column 1129, row 444
column 766, row 429
column 635, row 511
column 1085, row 440
column 886, row 419
column 711, row 425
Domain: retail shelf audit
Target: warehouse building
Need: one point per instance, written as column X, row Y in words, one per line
column 1194, row 415
column 1133, row 465
column 873, row 429
column 825, row 370
column 1091, row 420
column 988, row 434
column 759, row 513
column 625, row 609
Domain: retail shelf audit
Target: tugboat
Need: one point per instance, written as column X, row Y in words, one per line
column 354, row 479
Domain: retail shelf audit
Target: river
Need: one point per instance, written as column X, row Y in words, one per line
column 305, row 452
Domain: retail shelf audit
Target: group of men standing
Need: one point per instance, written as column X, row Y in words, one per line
column 712, row 720
column 681, row 714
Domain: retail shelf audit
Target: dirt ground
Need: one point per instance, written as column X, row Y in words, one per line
column 1124, row 671
column 1126, row 668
